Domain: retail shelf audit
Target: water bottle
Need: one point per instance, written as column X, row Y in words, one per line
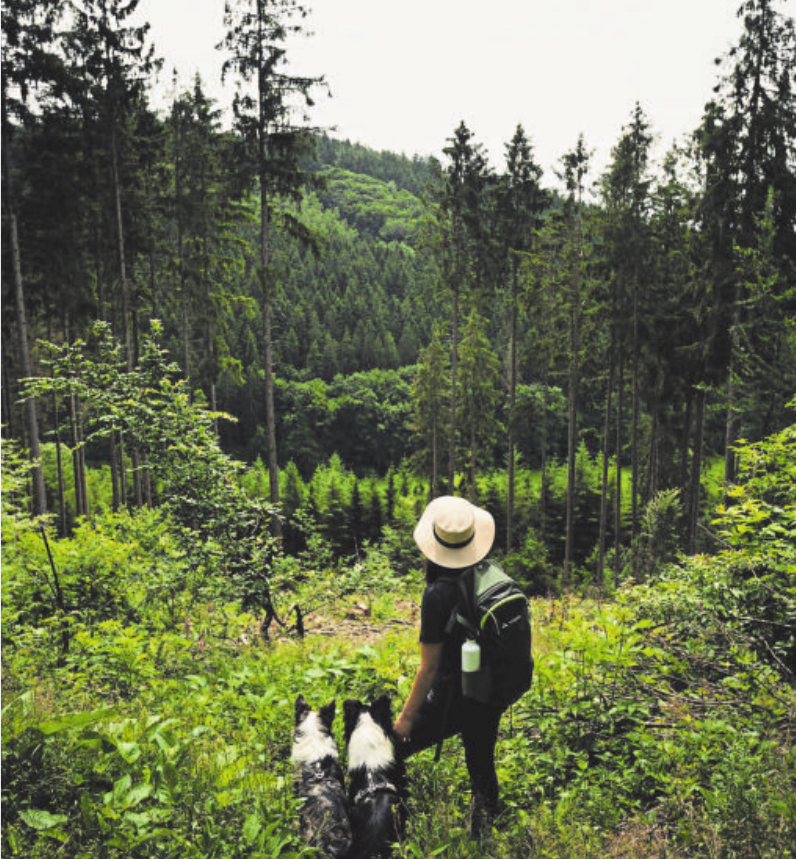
column 471, row 656
column 476, row 678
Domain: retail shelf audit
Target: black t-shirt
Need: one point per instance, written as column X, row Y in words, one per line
column 440, row 598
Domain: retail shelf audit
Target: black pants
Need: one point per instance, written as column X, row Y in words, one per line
column 445, row 713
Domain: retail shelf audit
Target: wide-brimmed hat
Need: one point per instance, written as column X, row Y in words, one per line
column 454, row 533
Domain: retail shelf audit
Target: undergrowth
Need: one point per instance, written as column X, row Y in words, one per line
column 621, row 745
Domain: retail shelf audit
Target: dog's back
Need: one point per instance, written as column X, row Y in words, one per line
column 376, row 779
column 324, row 818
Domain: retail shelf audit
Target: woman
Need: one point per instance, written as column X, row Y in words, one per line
column 453, row 535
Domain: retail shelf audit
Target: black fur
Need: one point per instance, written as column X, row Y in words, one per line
column 324, row 819
column 377, row 792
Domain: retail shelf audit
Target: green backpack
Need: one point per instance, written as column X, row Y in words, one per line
column 495, row 613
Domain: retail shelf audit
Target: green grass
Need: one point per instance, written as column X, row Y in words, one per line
column 193, row 758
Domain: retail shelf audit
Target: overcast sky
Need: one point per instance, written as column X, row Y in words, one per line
column 404, row 74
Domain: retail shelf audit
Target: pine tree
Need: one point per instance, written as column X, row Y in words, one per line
column 575, row 168
column 428, row 400
column 478, row 377
column 264, row 109
column 747, row 145
column 29, row 63
column 521, row 202
column 460, row 228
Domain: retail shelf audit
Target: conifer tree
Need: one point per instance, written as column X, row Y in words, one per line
column 521, row 201
column 575, row 168
column 428, row 399
column 747, row 145
column 460, row 224
column 478, row 377
column 265, row 115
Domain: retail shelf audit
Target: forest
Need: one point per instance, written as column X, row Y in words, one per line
column 239, row 356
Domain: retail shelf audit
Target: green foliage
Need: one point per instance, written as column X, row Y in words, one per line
column 658, row 721
column 216, row 521
column 373, row 207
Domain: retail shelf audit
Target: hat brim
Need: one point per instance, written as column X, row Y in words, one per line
column 455, row 558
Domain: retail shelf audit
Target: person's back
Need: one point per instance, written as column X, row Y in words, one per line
column 453, row 535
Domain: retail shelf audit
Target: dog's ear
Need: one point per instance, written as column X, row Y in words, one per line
column 351, row 711
column 327, row 714
column 381, row 711
column 302, row 708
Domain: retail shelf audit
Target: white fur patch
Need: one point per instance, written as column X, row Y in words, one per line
column 312, row 742
column 369, row 747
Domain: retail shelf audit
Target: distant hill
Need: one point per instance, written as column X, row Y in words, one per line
column 409, row 174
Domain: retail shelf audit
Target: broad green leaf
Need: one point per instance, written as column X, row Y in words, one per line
column 74, row 720
column 42, row 820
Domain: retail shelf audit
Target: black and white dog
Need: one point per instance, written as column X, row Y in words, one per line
column 376, row 779
column 324, row 817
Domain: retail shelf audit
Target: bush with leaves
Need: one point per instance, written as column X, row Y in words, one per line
column 222, row 528
column 744, row 597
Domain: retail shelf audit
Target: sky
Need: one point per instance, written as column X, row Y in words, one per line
column 403, row 75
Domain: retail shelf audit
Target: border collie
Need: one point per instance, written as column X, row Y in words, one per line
column 376, row 779
column 324, row 820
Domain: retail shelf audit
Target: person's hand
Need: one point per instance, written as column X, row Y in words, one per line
column 403, row 728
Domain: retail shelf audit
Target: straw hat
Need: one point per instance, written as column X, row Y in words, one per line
column 454, row 533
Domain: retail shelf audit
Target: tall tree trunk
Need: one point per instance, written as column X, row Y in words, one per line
column 434, row 460
column 603, row 533
column 731, row 432
column 454, row 373
column 543, row 454
column 634, row 442
column 512, row 405
column 78, row 459
column 116, row 496
column 124, row 286
column 618, row 453
column 267, row 310
column 572, row 433
column 60, row 468
column 122, row 471
column 21, row 318
column 685, row 439
column 473, row 465
column 696, row 472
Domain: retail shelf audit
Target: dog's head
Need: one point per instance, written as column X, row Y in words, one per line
column 380, row 712
column 312, row 737
column 325, row 714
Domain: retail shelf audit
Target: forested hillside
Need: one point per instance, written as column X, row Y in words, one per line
column 238, row 358
column 480, row 328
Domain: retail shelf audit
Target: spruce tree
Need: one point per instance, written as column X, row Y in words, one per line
column 746, row 142
column 265, row 107
column 521, row 202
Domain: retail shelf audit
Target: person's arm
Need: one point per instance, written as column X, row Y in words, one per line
column 430, row 659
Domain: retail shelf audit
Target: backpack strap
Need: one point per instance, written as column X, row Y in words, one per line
column 466, row 586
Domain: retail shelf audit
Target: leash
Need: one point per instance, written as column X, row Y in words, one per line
column 444, row 724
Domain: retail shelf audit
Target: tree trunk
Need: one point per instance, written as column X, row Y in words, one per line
column 122, row 472
column 270, row 413
column 60, row 468
column 473, row 465
column 634, row 443
column 454, row 372
column 572, row 432
column 21, row 318
column 603, row 534
column 512, row 405
column 731, row 432
column 618, row 454
column 123, row 284
column 434, row 460
column 696, row 472
column 543, row 455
